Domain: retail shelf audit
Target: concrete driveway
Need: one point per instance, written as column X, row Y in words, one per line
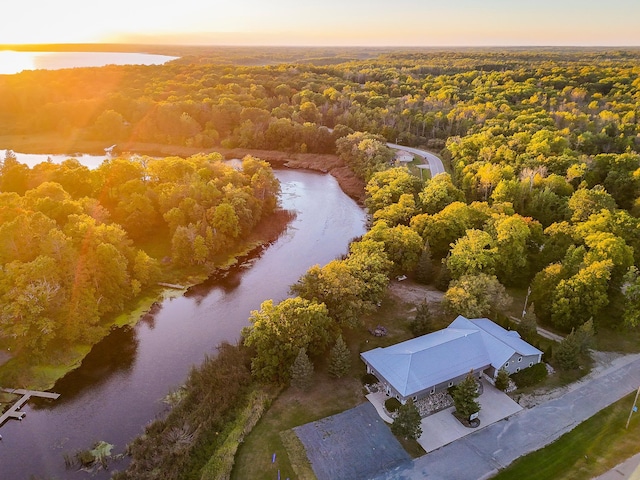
column 442, row 428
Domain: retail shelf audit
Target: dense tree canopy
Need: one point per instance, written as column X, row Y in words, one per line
column 72, row 239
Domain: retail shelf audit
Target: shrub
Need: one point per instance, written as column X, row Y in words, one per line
column 369, row 379
column 530, row 376
column 392, row 405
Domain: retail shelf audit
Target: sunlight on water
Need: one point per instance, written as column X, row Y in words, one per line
column 14, row 62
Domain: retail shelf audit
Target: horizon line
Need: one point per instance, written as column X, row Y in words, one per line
column 5, row 46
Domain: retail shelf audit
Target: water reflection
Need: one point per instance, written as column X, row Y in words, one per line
column 115, row 353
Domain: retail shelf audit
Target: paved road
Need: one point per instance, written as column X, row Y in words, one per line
column 627, row 470
column 435, row 164
column 481, row 454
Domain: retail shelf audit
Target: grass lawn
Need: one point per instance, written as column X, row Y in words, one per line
column 292, row 408
column 590, row 449
column 328, row 396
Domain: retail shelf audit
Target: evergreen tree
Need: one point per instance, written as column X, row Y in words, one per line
column 423, row 322
column 424, row 269
column 339, row 359
column 584, row 336
column 464, row 396
column 528, row 327
column 407, row 422
column 502, row 379
column 567, row 352
column 302, row 371
column 443, row 278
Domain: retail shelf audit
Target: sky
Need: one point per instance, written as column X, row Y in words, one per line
column 326, row 23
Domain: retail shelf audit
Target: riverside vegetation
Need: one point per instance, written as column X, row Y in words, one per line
column 542, row 191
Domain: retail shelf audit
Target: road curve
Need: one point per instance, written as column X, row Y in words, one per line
column 435, row 164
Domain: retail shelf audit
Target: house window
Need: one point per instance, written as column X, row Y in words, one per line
column 531, row 364
column 415, row 398
column 433, row 390
column 451, row 384
column 519, row 359
column 506, row 365
column 517, row 369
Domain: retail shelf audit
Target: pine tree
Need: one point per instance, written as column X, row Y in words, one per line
column 464, row 397
column 584, row 336
column 423, row 322
column 502, row 379
column 302, row 371
column 528, row 327
column 567, row 353
column 339, row 359
column 407, row 422
column 424, row 269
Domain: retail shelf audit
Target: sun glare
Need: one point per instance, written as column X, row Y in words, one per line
column 14, row 62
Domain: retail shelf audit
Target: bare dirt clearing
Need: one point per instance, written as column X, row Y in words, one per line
column 410, row 293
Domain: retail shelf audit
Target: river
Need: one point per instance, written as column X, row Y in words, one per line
column 120, row 386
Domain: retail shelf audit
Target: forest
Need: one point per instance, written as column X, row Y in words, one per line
column 78, row 245
column 541, row 194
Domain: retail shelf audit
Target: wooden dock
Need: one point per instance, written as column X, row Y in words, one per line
column 14, row 411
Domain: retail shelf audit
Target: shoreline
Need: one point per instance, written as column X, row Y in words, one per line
column 44, row 376
column 318, row 162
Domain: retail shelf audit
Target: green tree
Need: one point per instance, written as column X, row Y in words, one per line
column 464, row 396
column 475, row 296
column 302, row 371
column 438, row 193
column 567, row 353
column 424, row 269
column 278, row 332
column 502, row 379
column 339, row 359
column 350, row 287
column 407, row 422
column 472, row 254
column 585, row 336
column 397, row 213
column 385, row 188
column 585, row 202
column 423, row 321
column 402, row 245
column 631, row 292
column 513, row 235
column 581, row 296
column 528, row 326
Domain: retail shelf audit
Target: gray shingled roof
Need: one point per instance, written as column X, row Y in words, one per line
column 417, row 364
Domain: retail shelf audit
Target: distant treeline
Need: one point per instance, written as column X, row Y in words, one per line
column 587, row 97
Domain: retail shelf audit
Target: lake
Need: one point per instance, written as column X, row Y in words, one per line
column 15, row 62
column 120, row 385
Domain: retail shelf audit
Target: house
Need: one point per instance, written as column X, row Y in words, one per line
column 436, row 361
column 403, row 157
